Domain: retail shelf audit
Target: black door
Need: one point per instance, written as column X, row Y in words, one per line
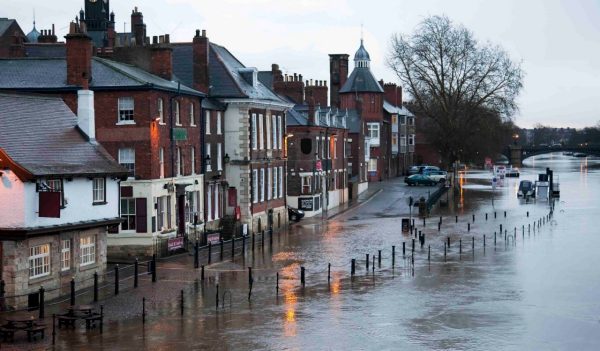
column 181, row 214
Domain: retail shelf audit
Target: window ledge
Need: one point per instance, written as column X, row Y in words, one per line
column 125, row 123
column 193, row 125
column 99, row 203
column 38, row 280
column 162, row 123
column 178, row 124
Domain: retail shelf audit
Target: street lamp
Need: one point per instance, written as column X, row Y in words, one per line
column 515, row 138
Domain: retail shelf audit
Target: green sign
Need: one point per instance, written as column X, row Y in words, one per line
column 179, row 134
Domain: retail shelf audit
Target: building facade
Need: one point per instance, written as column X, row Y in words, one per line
column 59, row 193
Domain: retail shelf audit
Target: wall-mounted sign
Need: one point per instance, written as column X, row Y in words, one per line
column 305, row 203
column 175, row 243
column 179, row 134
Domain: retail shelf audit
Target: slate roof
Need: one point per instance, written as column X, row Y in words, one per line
column 40, row 134
column 49, row 50
column 4, row 24
column 266, row 77
column 327, row 116
column 226, row 80
column 361, row 80
column 35, row 74
column 400, row 110
column 212, row 104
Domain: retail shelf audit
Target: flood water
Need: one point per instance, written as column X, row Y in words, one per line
column 540, row 292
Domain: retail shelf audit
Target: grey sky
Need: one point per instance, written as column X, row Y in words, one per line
column 557, row 40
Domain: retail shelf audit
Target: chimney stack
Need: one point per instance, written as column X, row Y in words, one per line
column 393, row 93
column 311, row 111
column 317, row 91
column 138, row 28
column 338, row 74
column 79, row 56
column 201, row 56
column 161, row 61
column 85, row 113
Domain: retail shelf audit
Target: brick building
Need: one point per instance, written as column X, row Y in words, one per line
column 59, row 192
column 147, row 121
column 402, row 136
column 253, row 130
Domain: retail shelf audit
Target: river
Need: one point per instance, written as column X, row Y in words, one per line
column 539, row 292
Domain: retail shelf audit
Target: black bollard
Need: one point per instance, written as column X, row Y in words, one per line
column 460, row 246
column 424, row 222
column 202, row 273
column 101, row 318
column 373, row 266
column 328, row 273
column 250, row 278
column 53, row 328
column 41, row 302
column 393, row 255
column 221, row 244
column 135, row 273
column 253, row 236
column 277, row 283
column 429, row 253
column 353, row 267
column 379, row 258
column 473, row 217
column 95, row 286
column 494, row 238
column 232, row 247
column 444, row 252
column 262, row 241
column 486, row 216
column 500, row 228
column 117, row 280
column 455, row 219
column 367, row 262
column 181, row 304
column 527, row 213
column 422, row 240
column 72, row 291
column 473, row 245
column 154, row 264
column 440, row 219
column 439, row 226
column 468, row 227
column 143, row 310
column 448, row 242
column 196, row 255
column 271, row 237
column 483, row 240
column 495, row 215
column 403, row 249
column 210, row 251
column 413, row 246
column 217, row 296
column 302, row 277
column 504, row 214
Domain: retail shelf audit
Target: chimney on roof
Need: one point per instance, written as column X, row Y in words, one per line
column 138, row 28
column 311, row 111
column 338, row 74
column 85, row 114
column 200, row 49
column 393, row 94
column 277, row 75
column 79, row 56
column 161, row 58
column 318, row 91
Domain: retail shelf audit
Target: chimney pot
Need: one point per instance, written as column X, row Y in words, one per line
column 204, row 33
column 167, row 38
column 155, row 40
column 300, row 78
column 161, row 39
column 197, row 32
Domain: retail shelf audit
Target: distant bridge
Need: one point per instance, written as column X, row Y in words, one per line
column 517, row 153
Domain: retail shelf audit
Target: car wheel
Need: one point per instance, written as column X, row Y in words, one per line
column 294, row 218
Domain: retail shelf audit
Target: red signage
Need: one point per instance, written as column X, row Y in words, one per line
column 318, row 165
column 231, row 197
column 175, row 243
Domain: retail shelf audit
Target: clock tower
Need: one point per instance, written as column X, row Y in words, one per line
column 97, row 15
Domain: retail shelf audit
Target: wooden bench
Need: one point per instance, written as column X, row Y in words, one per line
column 67, row 321
column 35, row 330
column 7, row 333
column 90, row 322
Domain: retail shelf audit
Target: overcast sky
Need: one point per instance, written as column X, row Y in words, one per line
column 556, row 40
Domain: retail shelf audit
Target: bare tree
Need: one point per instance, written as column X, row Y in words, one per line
column 462, row 85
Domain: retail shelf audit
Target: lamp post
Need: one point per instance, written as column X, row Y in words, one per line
column 206, row 162
column 515, row 138
column 268, row 162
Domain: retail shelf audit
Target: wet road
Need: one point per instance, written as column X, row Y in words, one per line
column 540, row 292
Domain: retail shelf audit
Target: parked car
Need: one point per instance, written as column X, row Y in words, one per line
column 438, row 176
column 421, row 169
column 295, row 214
column 413, row 170
column 419, row 179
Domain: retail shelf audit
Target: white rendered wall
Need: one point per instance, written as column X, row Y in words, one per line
column 12, row 200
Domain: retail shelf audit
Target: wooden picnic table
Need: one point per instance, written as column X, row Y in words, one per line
column 85, row 309
column 21, row 320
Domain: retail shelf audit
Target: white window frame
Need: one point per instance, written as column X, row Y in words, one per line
column 87, row 250
column 39, row 261
column 178, row 164
column 371, row 162
column 254, row 133
column 125, row 110
column 219, row 123
column 98, row 190
column 280, row 128
column 275, row 182
column 402, row 120
column 209, row 162
column 160, row 106
column 192, row 119
column 269, row 183
column 217, row 202
column 254, row 186
column 411, row 139
column 268, row 131
column 261, row 140
column 65, row 254
column 280, row 181
column 306, row 182
column 160, row 213
column 161, row 162
column 207, row 123
column 262, row 185
column 177, row 115
column 193, row 159
column 374, row 133
column 127, row 157
column 328, row 147
column 219, row 157
column 209, row 196
column 274, row 129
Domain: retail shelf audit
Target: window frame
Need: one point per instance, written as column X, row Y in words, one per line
column 97, row 190
column 125, row 116
column 255, row 186
column 176, row 108
column 262, row 185
column 65, row 255
column 87, row 250
column 161, row 162
column 193, row 160
column 130, row 216
column 160, row 107
column 43, row 257
column 126, row 164
column 219, row 157
column 191, row 115
column 207, row 151
column 219, row 123
column 207, row 122
column 254, row 132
